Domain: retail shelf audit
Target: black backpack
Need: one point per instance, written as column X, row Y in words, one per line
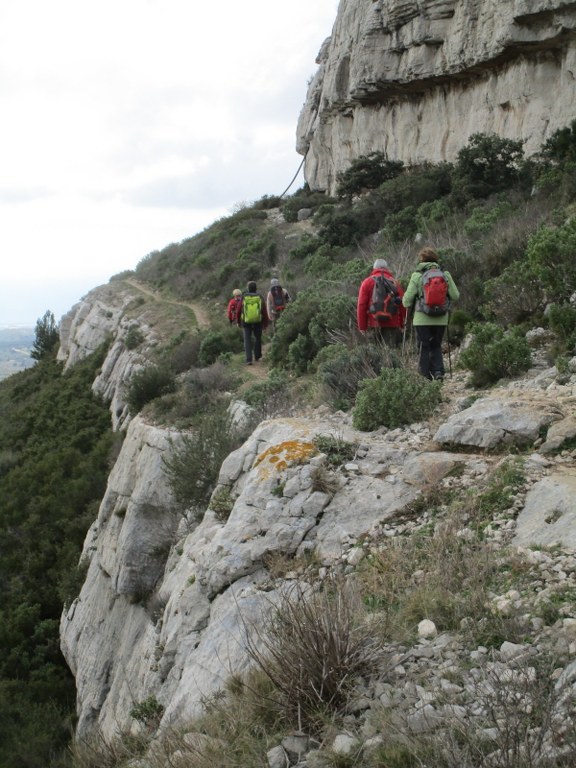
column 385, row 298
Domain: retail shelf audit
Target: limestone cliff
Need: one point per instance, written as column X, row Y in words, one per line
column 167, row 600
column 416, row 78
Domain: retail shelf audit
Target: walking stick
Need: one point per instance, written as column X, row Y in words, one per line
column 448, row 340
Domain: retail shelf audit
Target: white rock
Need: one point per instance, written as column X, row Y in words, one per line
column 427, row 629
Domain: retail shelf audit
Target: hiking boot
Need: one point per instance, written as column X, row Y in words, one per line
column 438, row 376
column 248, row 362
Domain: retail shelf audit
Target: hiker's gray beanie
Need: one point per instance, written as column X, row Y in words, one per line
column 274, row 281
column 380, row 264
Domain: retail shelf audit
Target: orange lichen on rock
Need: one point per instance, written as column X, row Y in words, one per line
column 279, row 457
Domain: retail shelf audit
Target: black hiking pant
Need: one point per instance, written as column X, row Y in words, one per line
column 430, row 363
column 252, row 341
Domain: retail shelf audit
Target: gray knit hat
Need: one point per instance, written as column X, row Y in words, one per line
column 380, row 264
column 274, row 282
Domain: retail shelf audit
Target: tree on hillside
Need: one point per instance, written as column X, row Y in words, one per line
column 47, row 336
column 488, row 164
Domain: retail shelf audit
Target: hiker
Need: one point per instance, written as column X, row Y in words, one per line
column 253, row 318
column 276, row 301
column 379, row 305
column 234, row 305
column 430, row 292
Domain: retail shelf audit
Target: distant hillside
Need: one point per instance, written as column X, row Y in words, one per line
column 15, row 345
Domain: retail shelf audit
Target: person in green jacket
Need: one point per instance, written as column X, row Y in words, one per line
column 429, row 328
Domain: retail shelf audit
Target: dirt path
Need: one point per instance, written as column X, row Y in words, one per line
column 200, row 314
column 257, row 371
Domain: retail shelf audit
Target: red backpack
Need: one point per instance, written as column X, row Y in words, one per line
column 434, row 300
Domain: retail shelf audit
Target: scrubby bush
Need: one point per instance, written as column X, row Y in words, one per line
column 216, row 343
column 313, row 648
column 422, row 185
column 307, row 325
column 193, row 466
column 340, row 370
column 134, row 337
column 147, row 384
column 401, row 225
column 562, row 321
column 488, row 164
column 367, row 172
column 494, row 353
column 398, row 396
column 303, row 199
column 550, row 254
column 270, row 396
column 515, row 295
column 561, row 146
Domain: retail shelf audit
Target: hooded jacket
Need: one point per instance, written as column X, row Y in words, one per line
column 414, row 292
column 363, row 317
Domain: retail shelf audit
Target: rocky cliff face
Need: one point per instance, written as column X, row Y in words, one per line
column 166, row 603
column 416, row 78
column 111, row 313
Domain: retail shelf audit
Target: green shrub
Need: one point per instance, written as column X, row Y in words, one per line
column 550, row 254
column 338, row 451
column 147, row 384
column 308, row 323
column 562, row 320
column 134, row 337
column 401, row 225
column 148, row 712
column 516, row 295
column 222, row 503
column 495, row 353
column 192, row 469
column 216, row 343
column 367, row 172
column 269, row 396
column 561, row 146
column 413, row 189
column 308, row 199
column 488, row 164
column 340, row 370
column 397, row 397
column 482, row 219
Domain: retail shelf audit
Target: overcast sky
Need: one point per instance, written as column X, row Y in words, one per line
column 126, row 125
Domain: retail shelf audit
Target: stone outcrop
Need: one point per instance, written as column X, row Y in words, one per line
column 108, row 314
column 167, row 603
column 416, row 78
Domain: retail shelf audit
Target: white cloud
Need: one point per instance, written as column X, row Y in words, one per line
column 130, row 124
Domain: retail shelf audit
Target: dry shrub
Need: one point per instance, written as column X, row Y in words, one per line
column 437, row 575
column 313, row 648
column 236, row 730
column 97, row 752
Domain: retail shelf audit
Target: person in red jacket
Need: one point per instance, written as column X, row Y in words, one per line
column 234, row 305
column 387, row 318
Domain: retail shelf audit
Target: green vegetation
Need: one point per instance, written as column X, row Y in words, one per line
column 394, row 398
column 55, row 442
column 47, row 336
column 494, row 353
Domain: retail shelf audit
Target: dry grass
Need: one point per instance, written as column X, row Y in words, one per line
column 313, row 648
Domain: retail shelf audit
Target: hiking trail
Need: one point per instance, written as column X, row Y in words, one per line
column 199, row 312
column 257, row 371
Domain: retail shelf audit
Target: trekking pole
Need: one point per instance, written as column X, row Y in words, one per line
column 448, row 340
